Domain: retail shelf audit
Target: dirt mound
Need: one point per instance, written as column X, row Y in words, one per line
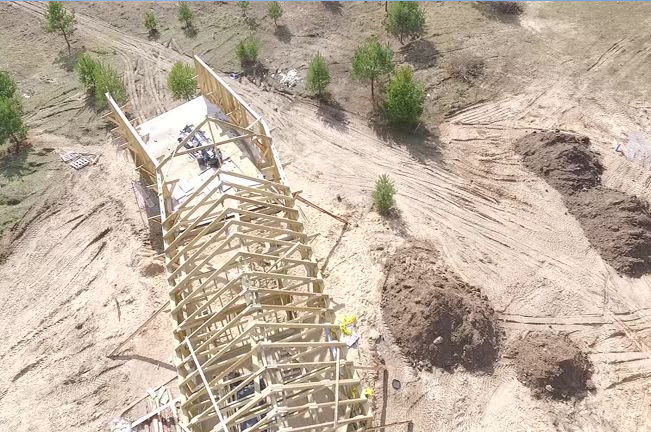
column 616, row 224
column 551, row 365
column 565, row 161
column 436, row 319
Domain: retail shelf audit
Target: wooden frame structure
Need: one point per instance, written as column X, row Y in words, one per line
column 256, row 344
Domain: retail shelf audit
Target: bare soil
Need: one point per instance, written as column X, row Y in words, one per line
column 551, row 365
column 569, row 66
column 617, row 224
column 437, row 319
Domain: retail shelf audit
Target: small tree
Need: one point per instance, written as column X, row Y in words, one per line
column 244, row 7
column 151, row 23
column 383, row 195
column 247, row 51
column 87, row 69
column 12, row 127
column 275, row 11
column 58, row 19
column 108, row 80
column 371, row 61
column 181, row 81
column 318, row 75
column 7, row 85
column 185, row 14
column 405, row 18
column 404, row 103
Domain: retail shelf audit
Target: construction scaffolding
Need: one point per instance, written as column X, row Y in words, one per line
column 256, row 343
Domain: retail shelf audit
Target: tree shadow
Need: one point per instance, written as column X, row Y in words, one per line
column 334, row 7
column 251, row 22
column 14, row 165
column 396, row 223
column 68, row 61
column 190, row 31
column 502, row 11
column 332, row 113
column 283, row 34
column 421, row 53
column 153, row 35
column 422, row 143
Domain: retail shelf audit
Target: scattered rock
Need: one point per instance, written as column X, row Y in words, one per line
column 438, row 340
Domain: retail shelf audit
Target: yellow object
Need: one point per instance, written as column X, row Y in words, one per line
column 369, row 392
column 347, row 320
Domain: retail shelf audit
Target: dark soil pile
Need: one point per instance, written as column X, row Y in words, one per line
column 551, row 365
column 616, row 224
column 436, row 319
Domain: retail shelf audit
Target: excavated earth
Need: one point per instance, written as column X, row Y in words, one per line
column 435, row 318
column 616, row 224
column 551, row 365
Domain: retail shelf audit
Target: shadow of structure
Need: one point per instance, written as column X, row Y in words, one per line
column 149, row 200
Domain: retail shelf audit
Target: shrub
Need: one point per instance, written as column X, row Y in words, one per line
column 506, row 7
column 383, row 195
column 405, row 18
column 247, row 51
column 371, row 61
column 275, row 11
column 151, row 23
column 404, row 103
column 108, row 80
column 87, row 69
column 318, row 75
column 58, row 19
column 7, row 85
column 466, row 67
column 12, row 127
column 244, row 7
column 185, row 14
column 181, row 81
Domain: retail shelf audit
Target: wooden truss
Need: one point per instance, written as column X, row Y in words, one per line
column 256, row 344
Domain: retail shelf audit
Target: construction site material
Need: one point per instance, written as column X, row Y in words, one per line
column 435, row 318
column 616, row 224
column 256, row 343
column 78, row 160
column 139, row 329
column 311, row 204
column 551, row 365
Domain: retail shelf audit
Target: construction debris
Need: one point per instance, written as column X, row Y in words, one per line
column 289, row 79
column 78, row 160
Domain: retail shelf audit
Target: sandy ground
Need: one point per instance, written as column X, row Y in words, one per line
column 72, row 285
